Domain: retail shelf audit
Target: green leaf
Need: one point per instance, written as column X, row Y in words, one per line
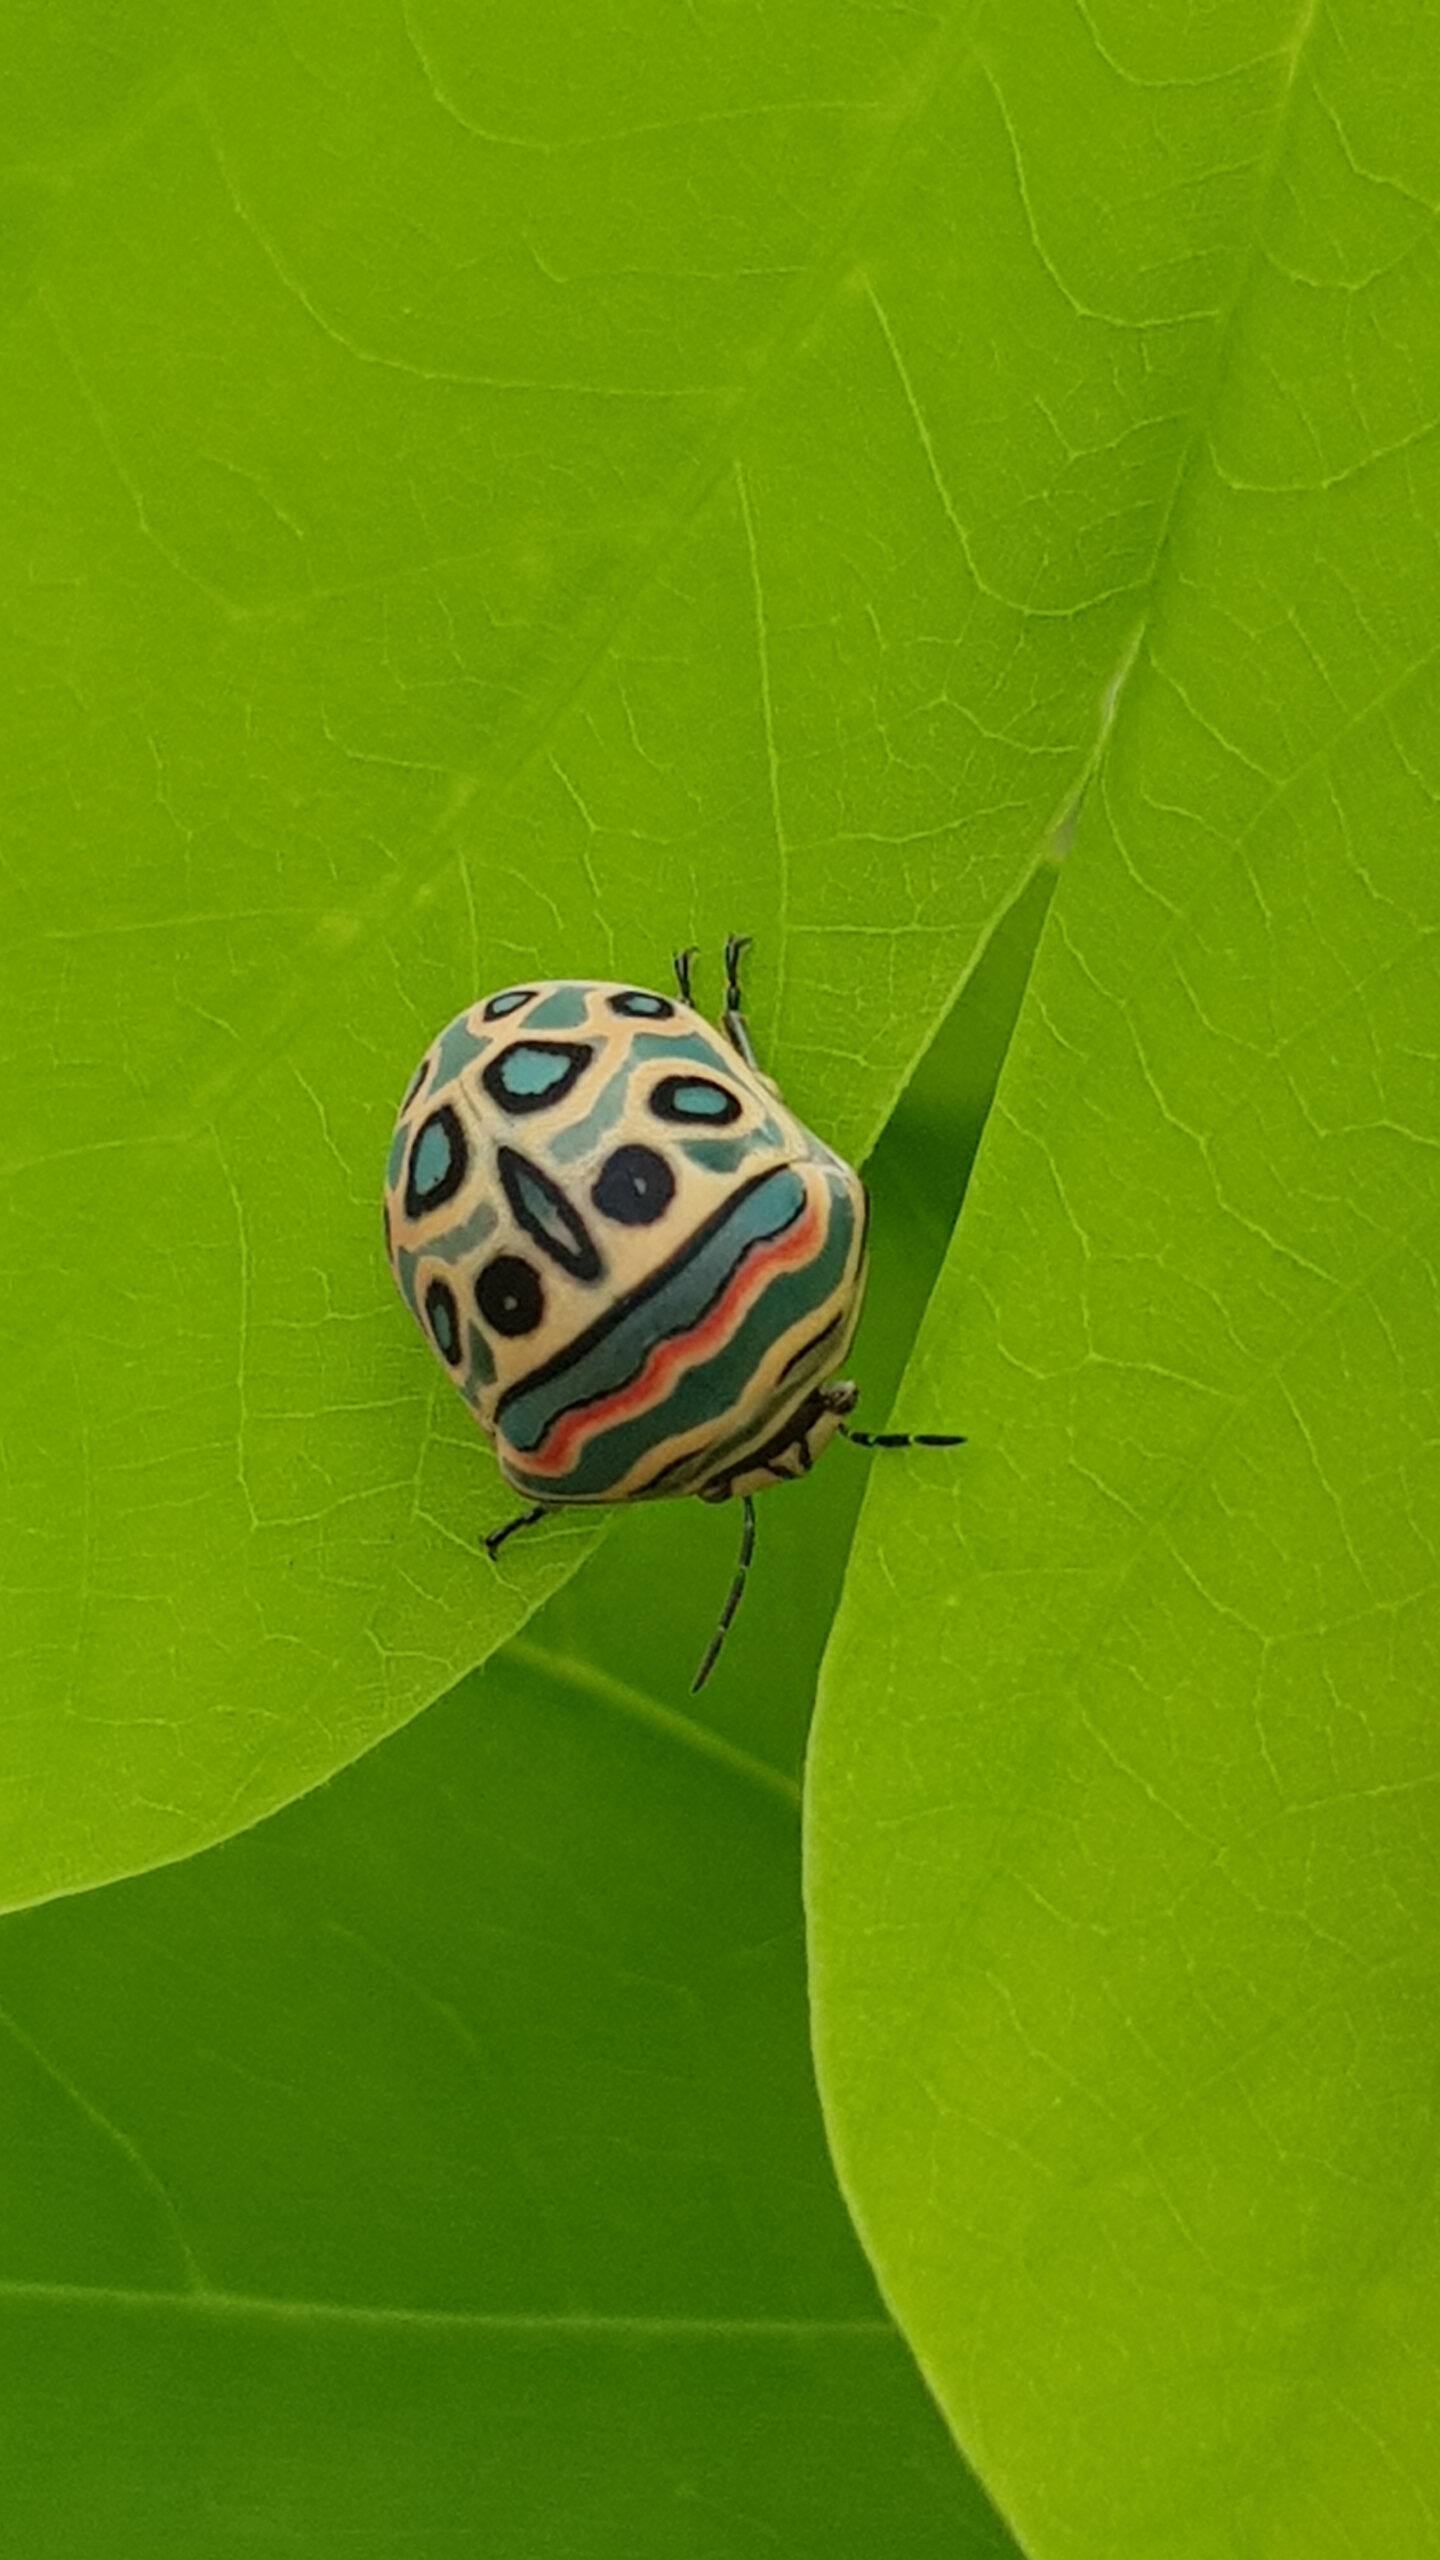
column 439, row 2164
column 438, row 2168
column 504, row 492
column 478, row 497
column 1121, row 1846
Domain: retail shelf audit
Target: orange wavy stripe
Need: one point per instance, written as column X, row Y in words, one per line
column 678, row 1351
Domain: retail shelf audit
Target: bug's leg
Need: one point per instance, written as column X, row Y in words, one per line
column 903, row 1439
column 494, row 1539
column 682, row 960
column 732, row 1020
column 732, row 1596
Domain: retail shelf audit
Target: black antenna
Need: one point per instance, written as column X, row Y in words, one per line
column 732, row 1597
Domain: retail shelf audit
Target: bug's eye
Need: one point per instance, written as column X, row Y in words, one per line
column 634, row 1187
column 696, row 1101
column 509, row 1296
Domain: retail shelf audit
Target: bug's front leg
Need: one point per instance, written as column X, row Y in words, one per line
column 494, row 1539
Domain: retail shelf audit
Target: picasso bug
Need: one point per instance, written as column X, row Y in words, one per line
column 636, row 1265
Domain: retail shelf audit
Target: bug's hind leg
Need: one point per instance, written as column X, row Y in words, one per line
column 903, row 1439
column 681, row 964
column 732, row 1020
column 494, row 1539
column 732, row 1596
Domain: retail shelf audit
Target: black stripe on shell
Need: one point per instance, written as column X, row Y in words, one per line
column 572, row 1353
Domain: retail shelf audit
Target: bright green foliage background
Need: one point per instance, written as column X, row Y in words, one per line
column 1123, row 1842
column 498, row 491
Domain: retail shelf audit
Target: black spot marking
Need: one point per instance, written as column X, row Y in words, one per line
column 533, row 1075
column 635, row 1187
column 695, row 1101
column 510, row 1002
column 509, row 1295
column 542, row 1209
column 439, row 1160
column 443, row 1317
column 637, row 1001
column 415, row 1083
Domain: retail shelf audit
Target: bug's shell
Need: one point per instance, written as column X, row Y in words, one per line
column 634, row 1263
